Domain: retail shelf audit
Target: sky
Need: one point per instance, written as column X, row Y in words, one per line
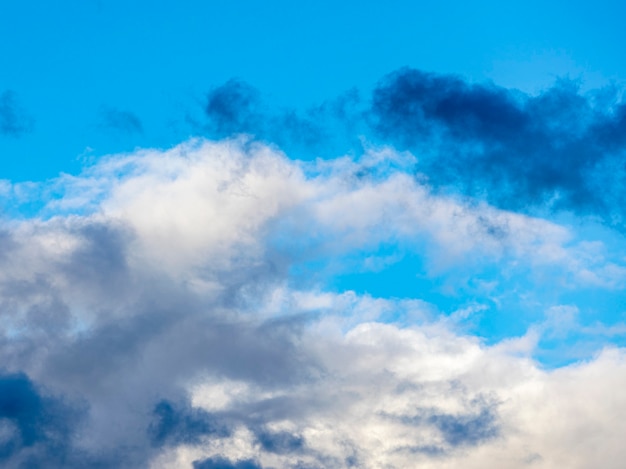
column 254, row 235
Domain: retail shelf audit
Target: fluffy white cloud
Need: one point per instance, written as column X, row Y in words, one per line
column 399, row 397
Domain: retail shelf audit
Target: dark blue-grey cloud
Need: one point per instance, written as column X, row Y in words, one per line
column 471, row 429
column 410, row 104
column 223, row 463
column 562, row 148
column 37, row 429
column 234, row 107
column 519, row 150
column 121, row 121
column 237, row 107
column 174, row 425
column 14, row 120
column 475, row 426
column 280, row 442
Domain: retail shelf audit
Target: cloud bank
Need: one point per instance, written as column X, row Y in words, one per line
column 176, row 308
column 121, row 121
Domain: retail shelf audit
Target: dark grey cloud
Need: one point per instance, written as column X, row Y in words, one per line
column 410, row 104
column 427, row 450
column 14, row 120
column 6, row 244
column 477, row 424
column 471, row 429
column 237, row 107
column 121, row 121
column 280, row 442
column 39, row 430
column 100, row 262
column 519, row 150
column 223, row 463
column 561, row 148
column 115, row 360
column 174, row 425
column 96, row 332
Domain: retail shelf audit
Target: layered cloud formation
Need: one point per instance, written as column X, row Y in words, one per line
column 446, row 294
column 14, row 121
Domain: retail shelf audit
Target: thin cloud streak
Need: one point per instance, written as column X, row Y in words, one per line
column 560, row 150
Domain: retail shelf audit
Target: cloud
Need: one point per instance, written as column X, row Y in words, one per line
column 172, row 202
column 393, row 396
column 560, row 149
column 121, row 121
column 158, row 293
column 37, row 429
column 14, row 121
column 556, row 147
column 175, row 426
column 459, row 430
column 280, row 442
column 236, row 107
column 222, row 463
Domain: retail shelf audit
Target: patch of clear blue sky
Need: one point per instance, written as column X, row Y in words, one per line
column 71, row 62
column 513, row 304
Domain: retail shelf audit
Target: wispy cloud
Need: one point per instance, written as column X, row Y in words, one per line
column 120, row 121
column 155, row 321
column 14, row 120
column 559, row 149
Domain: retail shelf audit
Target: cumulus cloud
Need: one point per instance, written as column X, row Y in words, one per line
column 151, row 317
column 234, row 107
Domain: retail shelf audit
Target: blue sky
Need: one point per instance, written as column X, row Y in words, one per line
column 286, row 235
